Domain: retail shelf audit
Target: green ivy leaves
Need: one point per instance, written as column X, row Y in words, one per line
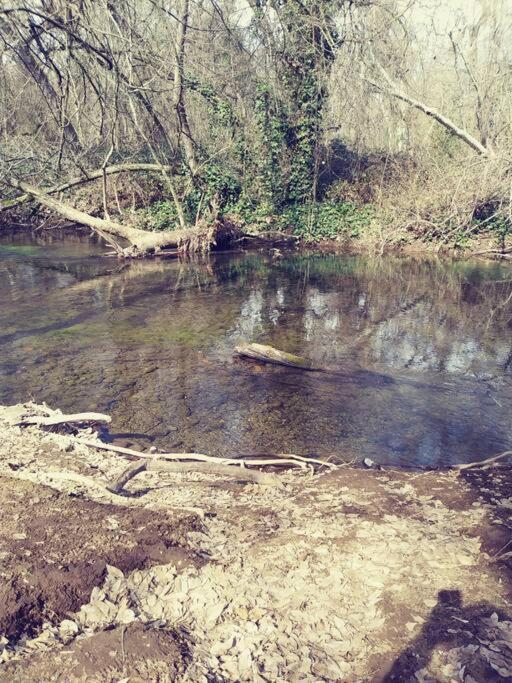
column 327, row 220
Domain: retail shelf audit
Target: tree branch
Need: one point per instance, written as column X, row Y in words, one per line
column 394, row 91
column 58, row 24
column 90, row 176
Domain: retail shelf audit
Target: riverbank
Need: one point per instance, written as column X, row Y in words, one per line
column 376, row 236
column 373, row 244
column 349, row 575
column 380, row 244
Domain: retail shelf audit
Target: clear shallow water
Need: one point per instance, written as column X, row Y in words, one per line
column 422, row 349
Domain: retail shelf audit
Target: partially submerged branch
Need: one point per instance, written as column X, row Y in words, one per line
column 268, row 354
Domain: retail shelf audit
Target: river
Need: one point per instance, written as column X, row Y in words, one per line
column 419, row 350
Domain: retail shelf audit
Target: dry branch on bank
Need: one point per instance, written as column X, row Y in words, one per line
column 271, row 460
column 237, row 468
column 53, row 420
column 484, row 464
column 41, row 416
column 240, row 473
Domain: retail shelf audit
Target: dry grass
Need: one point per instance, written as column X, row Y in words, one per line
column 446, row 201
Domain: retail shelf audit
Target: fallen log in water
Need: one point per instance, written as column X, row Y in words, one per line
column 268, row 354
column 142, row 242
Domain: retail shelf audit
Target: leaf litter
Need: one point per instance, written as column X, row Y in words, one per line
column 332, row 578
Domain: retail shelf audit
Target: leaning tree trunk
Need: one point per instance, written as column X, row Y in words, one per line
column 447, row 123
column 141, row 241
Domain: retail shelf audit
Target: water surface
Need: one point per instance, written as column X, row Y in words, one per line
column 419, row 351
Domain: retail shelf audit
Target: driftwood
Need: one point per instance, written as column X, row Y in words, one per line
column 56, row 419
column 41, row 416
column 237, row 468
column 142, row 241
column 275, row 460
column 268, row 354
column 219, row 469
column 484, row 464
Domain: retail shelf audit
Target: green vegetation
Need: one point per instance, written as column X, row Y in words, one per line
column 327, row 220
column 273, row 181
column 501, row 226
column 22, row 250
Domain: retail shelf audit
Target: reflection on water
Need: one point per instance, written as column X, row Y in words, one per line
column 418, row 352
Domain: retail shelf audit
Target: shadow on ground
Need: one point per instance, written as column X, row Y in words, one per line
column 474, row 642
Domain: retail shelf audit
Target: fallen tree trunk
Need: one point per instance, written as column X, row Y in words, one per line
column 142, row 242
column 268, row 354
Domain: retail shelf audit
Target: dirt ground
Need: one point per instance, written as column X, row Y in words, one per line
column 349, row 575
column 55, row 550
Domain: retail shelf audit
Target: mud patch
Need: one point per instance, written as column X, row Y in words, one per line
column 143, row 653
column 54, row 550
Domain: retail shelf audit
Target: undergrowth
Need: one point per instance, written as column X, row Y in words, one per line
column 310, row 221
column 324, row 220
